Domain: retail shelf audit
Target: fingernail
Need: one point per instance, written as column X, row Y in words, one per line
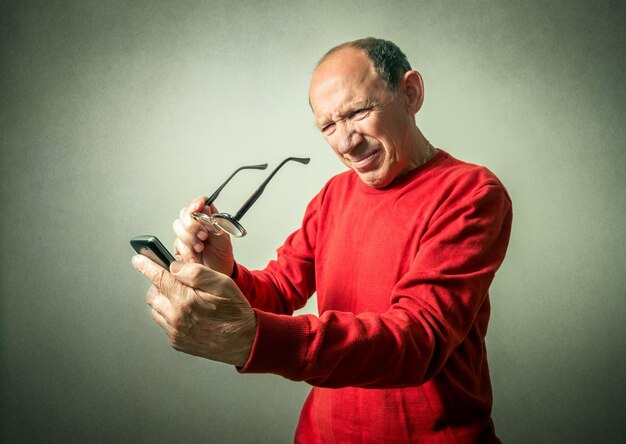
column 135, row 260
column 176, row 266
column 198, row 247
column 203, row 235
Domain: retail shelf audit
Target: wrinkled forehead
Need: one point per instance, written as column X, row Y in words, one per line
column 347, row 75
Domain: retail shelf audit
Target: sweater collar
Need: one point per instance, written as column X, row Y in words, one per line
column 400, row 182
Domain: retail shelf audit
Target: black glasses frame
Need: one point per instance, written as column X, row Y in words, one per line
column 226, row 223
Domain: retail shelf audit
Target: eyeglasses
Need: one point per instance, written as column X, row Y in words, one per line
column 224, row 222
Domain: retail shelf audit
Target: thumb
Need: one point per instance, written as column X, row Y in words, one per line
column 197, row 276
column 197, row 204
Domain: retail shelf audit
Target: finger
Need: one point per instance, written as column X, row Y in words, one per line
column 161, row 304
column 197, row 204
column 201, row 228
column 165, row 283
column 151, row 294
column 187, row 254
column 210, row 209
column 189, row 233
column 149, row 269
column 177, row 254
column 160, row 320
column 190, row 224
column 179, row 318
column 154, row 296
column 181, row 231
column 195, row 228
column 176, row 338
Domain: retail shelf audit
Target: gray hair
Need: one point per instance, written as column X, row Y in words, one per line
column 388, row 60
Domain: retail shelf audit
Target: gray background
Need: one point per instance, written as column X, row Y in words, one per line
column 115, row 114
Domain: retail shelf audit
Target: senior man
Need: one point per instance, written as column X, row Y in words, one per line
column 401, row 250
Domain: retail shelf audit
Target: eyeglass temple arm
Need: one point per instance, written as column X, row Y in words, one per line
column 214, row 196
column 244, row 209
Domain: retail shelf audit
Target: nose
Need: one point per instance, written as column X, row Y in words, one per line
column 347, row 139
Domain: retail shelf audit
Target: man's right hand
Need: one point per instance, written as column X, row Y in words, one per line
column 195, row 243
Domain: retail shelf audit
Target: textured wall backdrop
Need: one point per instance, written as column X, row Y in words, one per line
column 115, row 114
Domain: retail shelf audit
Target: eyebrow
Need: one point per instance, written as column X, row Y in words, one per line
column 367, row 103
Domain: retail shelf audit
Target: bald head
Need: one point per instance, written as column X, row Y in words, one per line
column 387, row 59
column 343, row 68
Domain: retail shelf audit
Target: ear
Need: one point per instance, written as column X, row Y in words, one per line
column 413, row 86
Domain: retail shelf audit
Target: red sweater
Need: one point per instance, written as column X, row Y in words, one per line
column 402, row 277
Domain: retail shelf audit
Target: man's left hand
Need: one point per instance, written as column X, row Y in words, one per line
column 202, row 311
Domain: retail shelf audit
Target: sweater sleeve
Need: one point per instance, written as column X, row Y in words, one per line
column 286, row 283
column 433, row 306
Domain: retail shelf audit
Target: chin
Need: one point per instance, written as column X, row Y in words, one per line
column 378, row 176
column 374, row 181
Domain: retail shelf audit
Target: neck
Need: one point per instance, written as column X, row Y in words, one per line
column 422, row 150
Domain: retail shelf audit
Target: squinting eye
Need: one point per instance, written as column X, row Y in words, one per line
column 328, row 129
column 360, row 113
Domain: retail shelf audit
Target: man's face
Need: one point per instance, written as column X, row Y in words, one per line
column 370, row 129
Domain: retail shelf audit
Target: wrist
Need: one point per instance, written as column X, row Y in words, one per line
column 248, row 335
column 234, row 271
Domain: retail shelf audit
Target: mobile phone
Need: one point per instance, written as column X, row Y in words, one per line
column 153, row 249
